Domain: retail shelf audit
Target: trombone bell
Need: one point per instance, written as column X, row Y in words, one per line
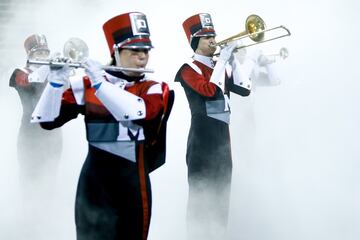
column 254, row 27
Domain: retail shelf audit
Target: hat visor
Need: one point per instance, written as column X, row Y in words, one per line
column 141, row 43
column 137, row 45
column 205, row 33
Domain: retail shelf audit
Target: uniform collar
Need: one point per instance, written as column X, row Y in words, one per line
column 208, row 61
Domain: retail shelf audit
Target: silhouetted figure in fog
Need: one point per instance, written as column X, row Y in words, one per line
column 38, row 150
column 265, row 74
column 207, row 85
column 125, row 118
column 265, row 71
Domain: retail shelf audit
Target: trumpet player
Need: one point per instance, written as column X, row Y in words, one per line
column 266, row 69
column 37, row 165
column 125, row 118
column 207, row 84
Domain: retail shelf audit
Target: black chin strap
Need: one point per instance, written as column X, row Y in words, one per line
column 122, row 75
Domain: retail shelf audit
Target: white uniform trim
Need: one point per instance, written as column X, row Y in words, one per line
column 208, row 61
column 77, row 86
column 218, row 74
column 123, row 105
column 193, row 66
column 242, row 73
column 48, row 106
column 125, row 127
column 155, row 89
column 125, row 149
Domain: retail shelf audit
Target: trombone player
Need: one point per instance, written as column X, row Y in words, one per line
column 125, row 117
column 207, row 84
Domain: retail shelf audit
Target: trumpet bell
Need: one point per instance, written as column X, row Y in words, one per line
column 283, row 53
column 76, row 49
column 255, row 26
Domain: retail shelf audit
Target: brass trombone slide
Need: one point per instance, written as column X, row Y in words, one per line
column 262, row 41
column 255, row 30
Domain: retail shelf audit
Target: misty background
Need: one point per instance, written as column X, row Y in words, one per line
column 295, row 146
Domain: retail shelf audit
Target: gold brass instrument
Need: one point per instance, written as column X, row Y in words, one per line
column 255, row 29
column 77, row 51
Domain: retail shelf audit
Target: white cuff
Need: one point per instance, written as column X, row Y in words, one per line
column 123, row 105
column 48, row 106
column 218, row 74
column 241, row 73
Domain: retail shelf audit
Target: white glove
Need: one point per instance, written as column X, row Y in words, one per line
column 95, row 72
column 237, row 51
column 227, row 52
column 59, row 77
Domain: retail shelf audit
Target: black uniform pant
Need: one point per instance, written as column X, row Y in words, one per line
column 209, row 165
column 113, row 199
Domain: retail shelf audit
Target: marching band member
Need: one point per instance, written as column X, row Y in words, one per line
column 265, row 71
column 29, row 82
column 37, row 164
column 207, row 85
column 125, row 118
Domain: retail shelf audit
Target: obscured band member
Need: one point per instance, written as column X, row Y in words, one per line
column 38, row 151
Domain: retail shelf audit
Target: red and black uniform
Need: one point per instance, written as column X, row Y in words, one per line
column 208, row 155
column 113, row 199
column 35, row 160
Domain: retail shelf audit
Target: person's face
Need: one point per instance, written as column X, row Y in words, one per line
column 206, row 46
column 133, row 58
column 40, row 54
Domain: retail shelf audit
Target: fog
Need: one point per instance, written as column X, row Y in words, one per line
column 295, row 145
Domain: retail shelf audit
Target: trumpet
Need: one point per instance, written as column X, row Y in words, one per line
column 77, row 51
column 271, row 58
column 255, row 29
column 282, row 54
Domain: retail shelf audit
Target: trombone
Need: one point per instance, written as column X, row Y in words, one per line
column 77, row 50
column 255, row 29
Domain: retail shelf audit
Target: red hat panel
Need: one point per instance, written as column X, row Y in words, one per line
column 198, row 25
column 129, row 30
